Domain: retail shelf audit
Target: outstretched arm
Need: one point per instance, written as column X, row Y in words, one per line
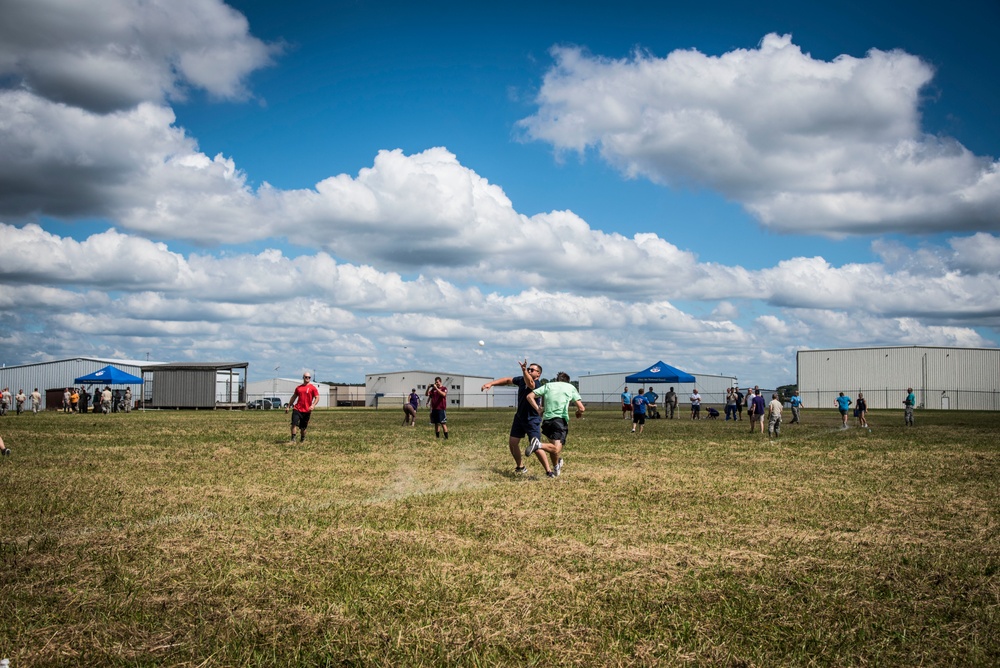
column 498, row 381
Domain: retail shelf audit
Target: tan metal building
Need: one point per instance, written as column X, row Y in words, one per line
column 941, row 378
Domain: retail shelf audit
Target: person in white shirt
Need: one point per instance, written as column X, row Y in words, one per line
column 695, row 404
column 774, row 416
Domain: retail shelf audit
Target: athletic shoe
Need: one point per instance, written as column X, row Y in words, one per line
column 292, row 439
column 551, row 474
column 520, row 470
column 6, row 452
column 533, row 447
column 559, row 466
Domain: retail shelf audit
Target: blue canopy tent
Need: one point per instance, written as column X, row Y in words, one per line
column 109, row 375
column 660, row 373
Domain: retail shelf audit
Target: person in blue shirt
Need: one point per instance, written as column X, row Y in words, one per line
column 651, row 397
column 639, row 404
column 909, row 402
column 796, row 402
column 626, row 404
column 843, row 404
column 527, row 421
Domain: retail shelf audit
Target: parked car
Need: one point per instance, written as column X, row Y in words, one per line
column 267, row 403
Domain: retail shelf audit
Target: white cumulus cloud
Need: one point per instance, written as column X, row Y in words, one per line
column 806, row 145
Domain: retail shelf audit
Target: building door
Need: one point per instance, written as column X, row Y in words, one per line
column 945, row 403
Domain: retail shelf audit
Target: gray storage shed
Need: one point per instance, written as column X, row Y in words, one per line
column 195, row 385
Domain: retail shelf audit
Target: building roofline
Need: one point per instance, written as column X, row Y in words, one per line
column 435, row 373
column 830, row 350
column 193, row 366
column 99, row 360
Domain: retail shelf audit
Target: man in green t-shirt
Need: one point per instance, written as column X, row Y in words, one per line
column 558, row 395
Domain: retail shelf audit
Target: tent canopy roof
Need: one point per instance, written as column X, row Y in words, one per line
column 109, row 375
column 660, row 373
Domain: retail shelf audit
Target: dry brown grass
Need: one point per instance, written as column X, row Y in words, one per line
column 205, row 539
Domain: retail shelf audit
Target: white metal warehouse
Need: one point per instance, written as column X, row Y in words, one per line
column 392, row 388
column 941, row 378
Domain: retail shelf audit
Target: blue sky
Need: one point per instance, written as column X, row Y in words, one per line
column 354, row 187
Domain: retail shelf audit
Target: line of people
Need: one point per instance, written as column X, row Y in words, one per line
column 670, row 401
column 104, row 401
column 18, row 400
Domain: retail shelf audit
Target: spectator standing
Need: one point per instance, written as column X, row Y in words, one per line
column 627, row 403
column 756, row 409
column 97, row 399
column 527, row 421
column 670, row 402
column 36, row 401
column 74, row 400
column 66, row 403
column 796, row 402
column 730, row 404
column 438, row 399
column 19, row 400
column 651, row 398
column 843, row 405
column 774, row 416
column 695, row 404
column 84, row 401
column 908, row 403
column 303, row 401
column 106, row 398
column 639, row 404
column 4, row 401
column 740, row 401
column 128, row 399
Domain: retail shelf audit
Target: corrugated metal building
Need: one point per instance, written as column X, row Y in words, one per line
column 392, row 388
column 941, row 378
column 605, row 388
column 195, row 385
column 51, row 378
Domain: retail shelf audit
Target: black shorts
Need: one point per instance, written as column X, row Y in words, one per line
column 555, row 429
column 300, row 419
column 638, row 418
column 438, row 416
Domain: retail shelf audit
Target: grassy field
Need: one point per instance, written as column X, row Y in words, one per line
column 206, row 539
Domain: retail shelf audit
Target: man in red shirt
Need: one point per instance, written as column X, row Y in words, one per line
column 438, row 394
column 304, row 399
